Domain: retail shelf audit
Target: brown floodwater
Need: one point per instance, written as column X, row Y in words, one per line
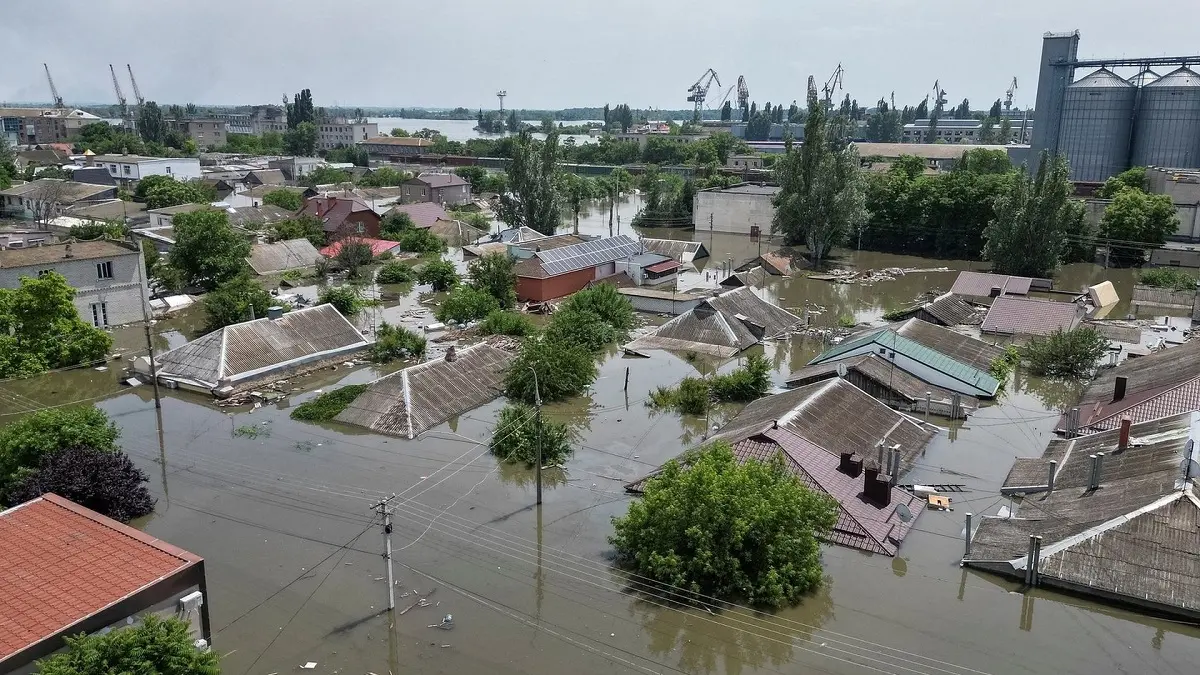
column 281, row 512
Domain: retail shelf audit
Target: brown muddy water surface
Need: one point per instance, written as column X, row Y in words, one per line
column 282, row 515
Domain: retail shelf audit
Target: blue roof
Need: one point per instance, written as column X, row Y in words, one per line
column 888, row 338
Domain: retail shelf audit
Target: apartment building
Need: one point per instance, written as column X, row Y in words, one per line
column 109, row 277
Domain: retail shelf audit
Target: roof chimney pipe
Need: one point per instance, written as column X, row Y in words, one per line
column 1119, row 388
column 1092, row 472
column 451, row 354
column 1123, row 441
column 1050, row 478
column 1099, row 469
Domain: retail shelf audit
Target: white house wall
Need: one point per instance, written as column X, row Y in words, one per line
column 732, row 212
column 122, row 295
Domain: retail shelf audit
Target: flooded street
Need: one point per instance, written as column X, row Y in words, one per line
column 283, row 517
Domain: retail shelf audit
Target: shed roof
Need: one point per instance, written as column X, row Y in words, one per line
column 245, row 350
column 411, row 401
column 948, row 309
column 266, row 176
column 378, row 246
column 64, row 563
column 423, row 214
column 1030, row 316
column 900, row 382
column 980, row 284
column 112, row 209
column 282, row 255
column 1159, row 385
column 257, row 217
column 62, row 191
column 755, row 276
column 963, row 348
column 551, row 242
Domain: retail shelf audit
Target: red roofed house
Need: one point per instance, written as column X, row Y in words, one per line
column 555, row 272
column 378, row 247
column 341, row 216
column 65, row 570
column 439, row 188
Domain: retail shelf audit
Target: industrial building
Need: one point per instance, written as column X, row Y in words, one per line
column 1105, row 122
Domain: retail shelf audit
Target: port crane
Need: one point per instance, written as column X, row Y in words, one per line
column 743, row 90
column 120, row 95
column 58, row 101
column 699, row 91
column 1008, row 96
column 834, row 83
column 137, row 94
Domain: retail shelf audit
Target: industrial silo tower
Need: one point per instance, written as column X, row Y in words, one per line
column 1167, row 131
column 1097, row 118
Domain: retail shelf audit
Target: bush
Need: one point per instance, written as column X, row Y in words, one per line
column 233, row 301
column 846, row 321
column 327, row 406
column 515, row 437
column 500, row 322
column 301, row 227
column 394, row 224
column 396, row 342
column 154, row 645
column 606, row 302
column 1067, row 353
column 102, row 480
column 580, row 327
column 420, row 241
column 563, row 370
column 395, row 273
column 1167, row 277
column 25, row 441
column 440, row 274
column 744, row 384
column 346, row 299
column 353, row 255
column 285, row 199
column 744, row 531
column 495, row 274
column 691, row 397
column 466, row 303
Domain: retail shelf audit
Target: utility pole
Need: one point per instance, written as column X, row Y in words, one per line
column 149, row 341
column 384, row 509
column 537, row 398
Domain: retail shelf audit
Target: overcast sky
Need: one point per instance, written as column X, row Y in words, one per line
column 558, row 53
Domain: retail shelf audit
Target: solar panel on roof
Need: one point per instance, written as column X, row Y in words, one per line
column 587, row 254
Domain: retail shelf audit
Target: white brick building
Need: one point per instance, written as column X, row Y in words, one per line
column 109, row 277
column 136, row 167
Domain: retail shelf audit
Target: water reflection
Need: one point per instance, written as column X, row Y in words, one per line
column 517, row 474
column 1054, row 393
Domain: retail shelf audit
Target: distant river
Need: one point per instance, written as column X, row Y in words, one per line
column 457, row 130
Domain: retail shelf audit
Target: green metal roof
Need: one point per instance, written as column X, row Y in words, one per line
column 918, row 352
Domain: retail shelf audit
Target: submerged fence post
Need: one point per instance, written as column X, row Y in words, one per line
column 967, row 538
column 928, row 402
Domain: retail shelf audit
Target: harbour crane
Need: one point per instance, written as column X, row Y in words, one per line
column 743, row 90
column 137, row 94
column 120, row 96
column 1008, row 96
column 500, row 95
column 939, row 94
column 726, row 96
column 699, row 91
column 833, row 83
column 58, row 101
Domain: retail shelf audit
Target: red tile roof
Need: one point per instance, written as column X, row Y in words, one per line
column 377, row 246
column 64, row 563
column 1029, row 316
column 664, row 266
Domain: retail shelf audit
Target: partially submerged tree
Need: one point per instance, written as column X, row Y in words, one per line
column 353, row 254
column 234, row 301
column 27, row 440
column 396, row 342
column 606, row 302
column 580, row 327
column 346, row 299
column 1033, row 215
column 284, row 199
column 440, row 274
column 532, row 200
column 494, row 273
column 563, row 370
column 466, row 303
column 154, row 646
column 1136, row 221
column 1065, row 353
column 301, row 227
column 207, row 250
column 518, row 432
column 712, row 526
column 40, row 328
column 104, row 481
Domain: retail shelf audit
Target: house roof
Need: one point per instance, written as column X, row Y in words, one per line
column 755, row 276
column 922, row 150
column 333, row 211
column 516, row 235
column 683, row 251
column 545, row 243
column 63, row 191
column 415, row 399
column 244, row 350
column 64, row 563
column 567, row 259
column 13, row 258
column 771, row 263
column 131, row 159
column 266, row 176
column 261, row 190
column 1133, row 538
column 378, row 246
column 664, row 266
column 423, row 214
column 748, row 189
column 178, row 209
column 980, row 284
column 900, row 382
column 722, row 325
column 963, row 361
column 1159, row 385
column 393, row 140
column 1030, row 316
column 282, row 255
column 455, row 232
column 106, row 210
column 439, row 180
column 949, row 310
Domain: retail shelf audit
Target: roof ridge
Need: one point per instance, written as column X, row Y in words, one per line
column 788, row 416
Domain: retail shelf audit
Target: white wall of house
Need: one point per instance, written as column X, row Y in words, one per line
column 179, row 168
column 108, row 290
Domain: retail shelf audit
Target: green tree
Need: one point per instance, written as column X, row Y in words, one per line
column 171, row 192
column 512, row 124
column 154, row 646
column 507, row 323
column 151, row 125
column 606, row 302
column 151, row 258
column 1065, row 353
column 304, row 226
column 384, row 176
column 532, row 200
column 301, row 140
column 577, row 190
column 563, row 370
column 994, row 111
column 1004, row 134
column 1028, row 235
column 726, row 111
column 40, row 328
column 290, row 200
column 1143, row 220
column 395, row 272
column 439, row 274
column 419, row 240
column 580, row 327
column 207, row 250
column 234, row 301
column 103, row 481
column 822, row 194
column 494, row 273
column 520, row 430
column 326, row 175
column 28, row 439
column 396, row 342
column 394, row 224
column 300, row 110
column 987, row 131
column 713, row 527
column 1133, row 178
column 466, row 303
column 353, row 254
column 345, row 299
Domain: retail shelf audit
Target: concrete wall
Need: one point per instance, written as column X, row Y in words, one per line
column 110, row 302
column 732, row 212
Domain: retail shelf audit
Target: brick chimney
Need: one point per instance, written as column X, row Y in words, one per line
column 851, row 464
column 877, row 486
column 1119, row 386
column 1123, row 441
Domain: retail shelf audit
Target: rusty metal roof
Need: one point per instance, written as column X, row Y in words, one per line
column 681, row 250
column 411, row 401
column 1030, row 316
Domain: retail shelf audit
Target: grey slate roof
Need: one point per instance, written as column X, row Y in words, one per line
column 282, row 255
column 440, row 180
column 872, row 367
column 1030, row 316
column 257, row 217
column 722, row 325
column 423, row 214
column 947, row 309
column 411, row 401
column 251, row 349
column 683, row 251
column 755, row 276
column 980, row 284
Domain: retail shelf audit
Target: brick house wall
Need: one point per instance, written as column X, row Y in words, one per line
column 102, row 302
column 540, row 290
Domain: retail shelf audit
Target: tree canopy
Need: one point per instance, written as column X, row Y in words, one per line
column 518, row 432
column 532, row 200
column 1135, row 221
column 440, row 274
column 284, row 199
column 207, row 251
column 1065, row 353
column 24, row 442
column 494, row 273
column 563, row 370
column 153, row 647
column 708, row 525
column 1034, row 221
column 234, row 301
column 304, row 226
column 106, row 482
column 40, row 328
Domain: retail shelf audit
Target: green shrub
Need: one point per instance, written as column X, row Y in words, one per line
column 581, row 327
column 396, row 342
column 603, row 300
column 507, row 323
column 1004, row 364
column 467, row 303
column 563, row 370
column 395, row 273
column 1073, row 352
column 327, row 406
column 691, row 397
column 747, row 383
column 1167, row 277
column 420, row 241
column 346, row 299
column 26, row 440
column 847, row 321
column 495, row 274
column 515, row 437
column 440, row 274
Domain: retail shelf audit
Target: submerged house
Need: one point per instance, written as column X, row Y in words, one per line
column 276, row 346
column 947, row 309
column 856, row 464
column 552, row 273
column 1146, row 388
column 1030, row 316
column 676, row 249
column 721, row 326
column 418, row 398
column 774, row 264
column 878, row 376
column 983, row 286
column 933, row 354
column 1112, row 515
column 281, row 256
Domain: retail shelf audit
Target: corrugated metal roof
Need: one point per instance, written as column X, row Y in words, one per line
column 1180, row 77
column 1030, row 316
column 1161, row 384
column 881, row 371
column 423, row 214
column 952, row 310
column 718, row 325
column 411, row 401
column 683, row 251
column 282, row 255
column 1101, row 79
column 962, row 348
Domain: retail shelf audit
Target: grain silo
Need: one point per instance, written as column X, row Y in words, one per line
column 1097, row 118
column 1144, row 78
column 1167, row 130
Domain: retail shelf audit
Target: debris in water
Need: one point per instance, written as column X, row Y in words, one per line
column 310, row 665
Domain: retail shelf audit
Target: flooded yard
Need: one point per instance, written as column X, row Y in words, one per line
column 283, row 517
